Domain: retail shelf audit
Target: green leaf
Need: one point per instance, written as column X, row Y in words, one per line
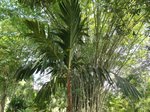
column 127, row 89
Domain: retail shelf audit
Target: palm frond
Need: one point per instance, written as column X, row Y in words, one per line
column 126, row 88
column 72, row 27
column 38, row 66
column 24, row 72
column 50, row 88
column 41, row 35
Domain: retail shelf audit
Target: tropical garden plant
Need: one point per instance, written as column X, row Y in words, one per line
column 83, row 46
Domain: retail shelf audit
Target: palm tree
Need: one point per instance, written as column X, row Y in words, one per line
column 70, row 34
column 62, row 50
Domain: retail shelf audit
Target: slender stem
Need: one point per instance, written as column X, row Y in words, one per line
column 69, row 95
column 3, row 100
column 69, row 92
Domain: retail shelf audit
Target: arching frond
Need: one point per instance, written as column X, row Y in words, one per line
column 50, row 88
column 126, row 88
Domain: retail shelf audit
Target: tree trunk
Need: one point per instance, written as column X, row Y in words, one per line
column 3, row 100
column 69, row 93
column 2, row 104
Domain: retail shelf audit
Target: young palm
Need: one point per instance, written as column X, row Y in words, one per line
column 58, row 50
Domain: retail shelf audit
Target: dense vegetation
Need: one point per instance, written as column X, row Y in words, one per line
column 74, row 56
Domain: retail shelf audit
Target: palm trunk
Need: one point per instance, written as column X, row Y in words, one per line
column 69, row 93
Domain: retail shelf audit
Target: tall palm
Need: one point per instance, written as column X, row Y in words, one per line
column 70, row 33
